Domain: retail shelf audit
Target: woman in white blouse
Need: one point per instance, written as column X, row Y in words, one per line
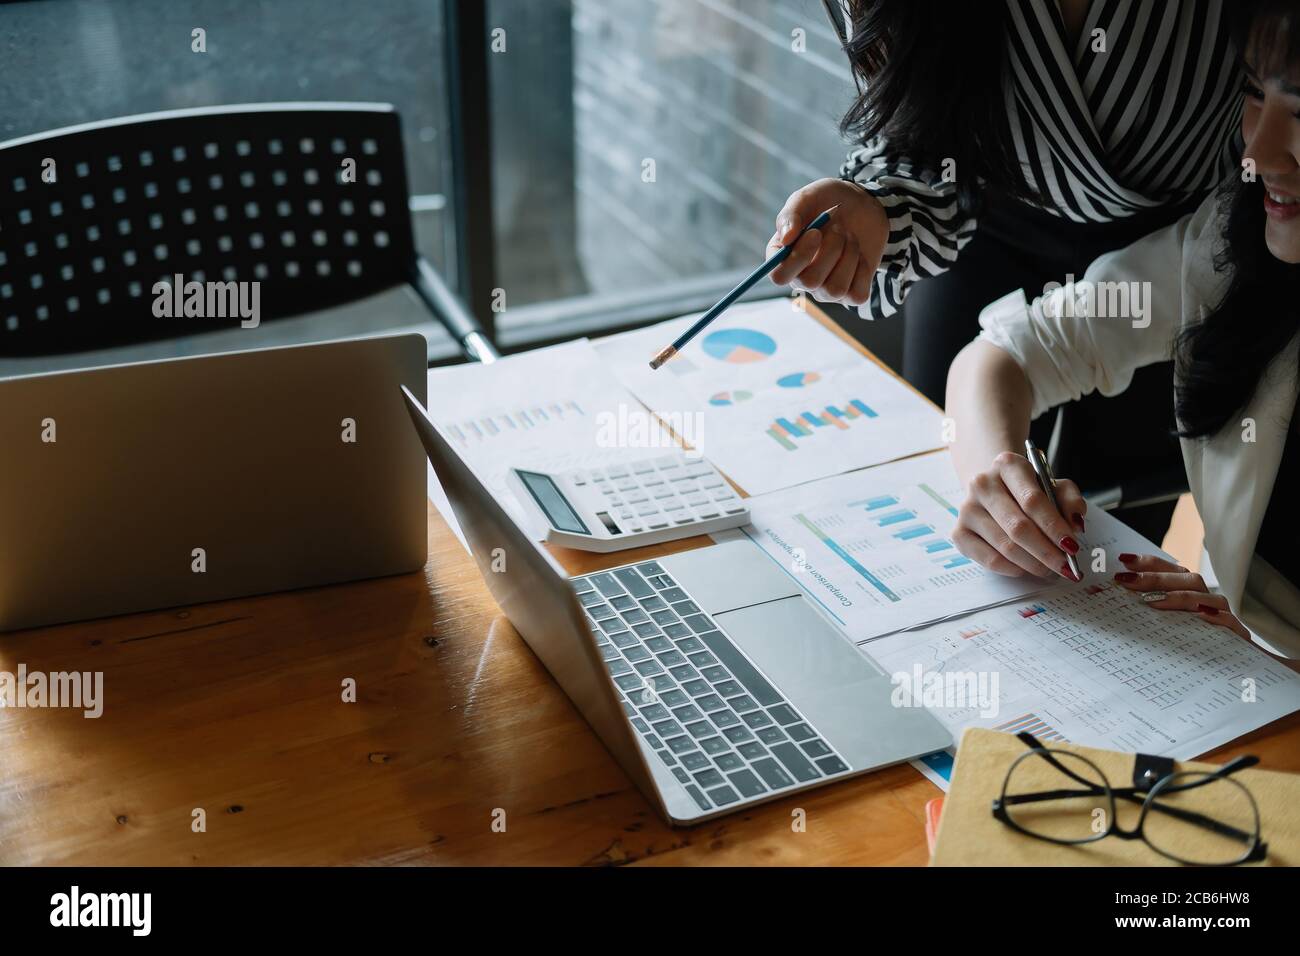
column 1225, row 303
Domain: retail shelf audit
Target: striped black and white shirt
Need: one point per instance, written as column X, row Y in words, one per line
column 1145, row 118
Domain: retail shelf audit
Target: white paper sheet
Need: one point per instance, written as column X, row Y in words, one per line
column 549, row 410
column 874, row 547
column 773, row 398
column 1092, row 665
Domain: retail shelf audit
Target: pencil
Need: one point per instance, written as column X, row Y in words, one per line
column 745, row 285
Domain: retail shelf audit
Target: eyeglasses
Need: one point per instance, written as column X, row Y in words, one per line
column 1191, row 817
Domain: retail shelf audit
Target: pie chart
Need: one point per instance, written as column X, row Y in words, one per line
column 798, row 379
column 739, row 346
column 731, row 398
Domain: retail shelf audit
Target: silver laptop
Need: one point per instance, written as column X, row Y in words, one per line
column 176, row 482
column 710, row 677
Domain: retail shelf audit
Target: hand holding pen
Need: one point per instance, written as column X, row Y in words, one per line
column 1014, row 519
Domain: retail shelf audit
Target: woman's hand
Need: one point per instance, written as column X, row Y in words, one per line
column 1171, row 587
column 838, row 262
column 1008, row 524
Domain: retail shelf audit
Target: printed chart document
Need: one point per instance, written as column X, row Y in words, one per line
column 548, row 410
column 773, row 398
column 874, row 547
column 1092, row 665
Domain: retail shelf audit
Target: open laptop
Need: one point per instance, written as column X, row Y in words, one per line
column 710, row 677
column 176, row 482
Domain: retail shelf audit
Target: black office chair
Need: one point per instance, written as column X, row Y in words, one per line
column 252, row 193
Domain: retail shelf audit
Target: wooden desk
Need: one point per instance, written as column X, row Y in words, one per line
column 236, row 708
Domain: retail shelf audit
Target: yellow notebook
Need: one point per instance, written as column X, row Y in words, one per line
column 969, row 834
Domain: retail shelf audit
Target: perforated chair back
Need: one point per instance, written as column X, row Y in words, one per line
column 252, row 193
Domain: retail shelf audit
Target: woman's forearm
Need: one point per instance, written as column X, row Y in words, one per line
column 989, row 401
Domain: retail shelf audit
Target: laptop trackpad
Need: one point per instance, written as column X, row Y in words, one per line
column 790, row 641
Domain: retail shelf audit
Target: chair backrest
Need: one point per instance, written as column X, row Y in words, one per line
column 92, row 217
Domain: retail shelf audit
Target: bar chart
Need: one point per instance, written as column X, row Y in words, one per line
column 787, row 431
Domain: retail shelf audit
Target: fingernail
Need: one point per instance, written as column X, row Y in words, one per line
column 1152, row 596
column 1067, row 573
column 1206, row 609
column 1125, row 558
column 1069, row 545
column 1127, row 577
column 1077, row 521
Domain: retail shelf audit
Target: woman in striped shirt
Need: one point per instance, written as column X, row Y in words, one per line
column 1007, row 144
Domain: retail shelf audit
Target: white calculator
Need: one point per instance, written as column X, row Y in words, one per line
column 631, row 504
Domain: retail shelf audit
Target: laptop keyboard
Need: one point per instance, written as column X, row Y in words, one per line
column 718, row 724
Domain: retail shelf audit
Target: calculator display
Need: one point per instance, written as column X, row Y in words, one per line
column 550, row 499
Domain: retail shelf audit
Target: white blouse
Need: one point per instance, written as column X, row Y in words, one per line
column 1071, row 342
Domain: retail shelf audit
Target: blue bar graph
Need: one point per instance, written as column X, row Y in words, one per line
column 916, row 531
column 934, row 546
column 864, row 409
column 895, row 517
column 875, row 504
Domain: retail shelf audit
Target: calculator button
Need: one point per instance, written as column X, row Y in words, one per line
column 643, row 467
column 616, row 471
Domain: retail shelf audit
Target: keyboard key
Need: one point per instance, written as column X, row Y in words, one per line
column 671, row 658
column 816, row 748
column 728, row 761
column 687, row 713
column 676, row 631
column 773, row 773
column 709, row 778
column 664, row 617
column 703, row 659
column 698, row 797
column 646, row 630
column 715, row 673
column 742, row 703
column 681, row 775
column 685, row 608
column 655, row 603
column 643, row 697
column 636, row 617
column 654, row 741
column 741, row 668
column 723, row 796
column 666, row 757
column 606, row 583
column 649, row 568
column 623, row 603
column 659, row 644
column 633, row 582
column 784, row 714
column 647, row 668
column 675, row 698
column 591, row 598
column 771, row 735
column 738, row 733
column 711, row 702
column 696, row 687
column 757, row 719
column 672, row 594
column 655, row 712
column 601, row 611
column 746, row 783
column 640, row 724
column 613, row 625
column 582, row 586
column 681, row 745
column 690, row 645
column 699, row 623
column 700, row 728
column 714, row 745
column 694, row 760
column 724, row 718
column 609, row 652
column 751, row 751
column 684, row 672
column 637, row 653
column 669, row 728
column 662, row 682
column 729, row 688
column 832, row 764
column 624, row 639
column 801, row 732
column 795, row 762
column 617, row 667
column 628, row 708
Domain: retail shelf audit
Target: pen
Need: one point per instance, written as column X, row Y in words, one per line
column 745, row 285
column 1038, row 461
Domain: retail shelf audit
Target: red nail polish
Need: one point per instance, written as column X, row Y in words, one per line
column 1126, row 558
column 1067, row 573
column 1206, row 609
column 1077, row 521
column 1069, row 545
column 1128, row 577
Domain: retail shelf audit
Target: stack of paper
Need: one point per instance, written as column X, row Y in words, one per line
column 773, row 398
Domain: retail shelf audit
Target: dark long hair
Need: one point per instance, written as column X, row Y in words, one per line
column 1221, row 359
column 931, row 80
